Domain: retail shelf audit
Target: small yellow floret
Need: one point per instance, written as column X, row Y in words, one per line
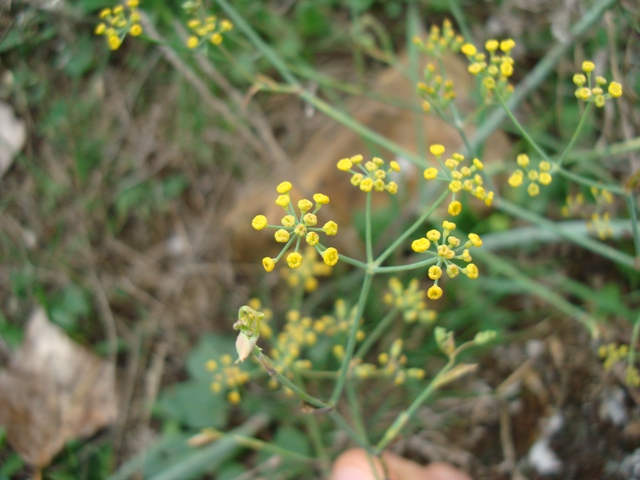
column 320, row 199
column 491, row 45
column 533, row 189
column 545, row 178
column 430, row 173
column 471, row 271
column 294, row 260
column 268, row 264
column 515, row 180
column 455, row 208
column 216, row 39
column 615, row 89
column 312, row 239
column 468, row 49
column 588, row 67
column 282, row 236
column 259, row 222
column 345, row 164
column 192, row 42
column 330, row 228
column 233, row 397
column 436, row 149
column 284, row 187
column 135, row 30
column 283, row 201
column 583, row 93
column 475, row 239
column 114, row 42
column 434, row 293
column 420, row 245
column 330, row 256
column 395, row 166
column 435, row 272
column 226, row 25
column 433, row 235
column 305, row 205
column 448, row 225
column 522, row 160
column 366, row 185
column 507, row 45
column 100, row 29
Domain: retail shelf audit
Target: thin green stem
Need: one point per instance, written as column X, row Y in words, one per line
column 348, row 429
column 576, row 134
column 269, row 447
column 351, row 342
column 585, row 242
column 521, row 129
column 368, row 237
column 379, row 330
column 313, row 429
column 539, row 290
column 633, row 213
column 406, row 267
column 268, row 366
column 590, row 183
column 418, row 223
column 402, row 419
column 251, row 34
column 354, row 407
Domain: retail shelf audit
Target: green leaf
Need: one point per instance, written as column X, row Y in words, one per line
column 293, row 439
column 194, row 405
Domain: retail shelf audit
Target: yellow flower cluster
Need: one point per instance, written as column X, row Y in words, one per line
column 207, row 29
column 227, row 377
column 447, row 248
column 440, row 41
column 295, row 227
column 535, row 177
column 305, row 276
column 613, row 354
column 588, row 92
column 495, row 72
column 600, row 216
column 371, row 175
column 119, row 21
column 435, row 91
column 339, row 322
column 390, row 365
column 410, row 301
column 460, row 177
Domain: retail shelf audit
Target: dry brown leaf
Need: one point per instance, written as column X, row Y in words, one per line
column 53, row 391
column 13, row 134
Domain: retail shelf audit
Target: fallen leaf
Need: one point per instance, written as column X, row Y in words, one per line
column 13, row 134
column 53, row 391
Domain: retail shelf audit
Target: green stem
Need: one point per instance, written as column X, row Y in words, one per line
column 348, row 429
column 504, row 267
column 313, row 429
column 576, row 134
column 260, row 446
column 585, row 242
column 402, row 419
column 243, row 26
column 590, row 183
column 354, row 406
column 351, row 342
column 633, row 213
column 368, row 236
column 373, row 336
column 268, row 366
column 521, row 129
